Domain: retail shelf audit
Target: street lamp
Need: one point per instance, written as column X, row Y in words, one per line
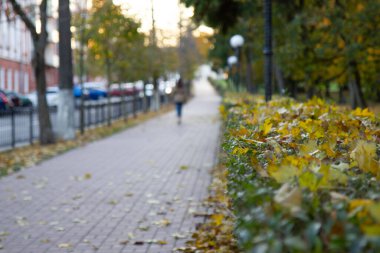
column 231, row 60
column 236, row 43
column 268, row 49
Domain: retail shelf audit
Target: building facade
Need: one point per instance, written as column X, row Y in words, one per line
column 16, row 49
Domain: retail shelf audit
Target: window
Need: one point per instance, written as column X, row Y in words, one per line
column 16, row 81
column 2, row 78
column 9, row 78
column 26, row 83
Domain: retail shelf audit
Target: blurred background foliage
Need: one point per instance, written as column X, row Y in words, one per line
column 325, row 48
column 116, row 48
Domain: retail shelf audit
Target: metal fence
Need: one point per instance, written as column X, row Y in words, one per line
column 20, row 126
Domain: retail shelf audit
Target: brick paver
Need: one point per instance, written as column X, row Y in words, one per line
column 116, row 194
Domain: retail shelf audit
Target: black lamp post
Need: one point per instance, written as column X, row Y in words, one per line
column 236, row 43
column 268, row 49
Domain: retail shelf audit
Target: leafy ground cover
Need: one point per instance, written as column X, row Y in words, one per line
column 23, row 157
column 303, row 177
column 215, row 235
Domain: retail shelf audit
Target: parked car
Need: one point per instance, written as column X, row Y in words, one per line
column 91, row 90
column 12, row 97
column 126, row 89
column 51, row 96
column 5, row 102
column 18, row 99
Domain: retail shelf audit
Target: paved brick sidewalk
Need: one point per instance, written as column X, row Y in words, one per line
column 113, row 195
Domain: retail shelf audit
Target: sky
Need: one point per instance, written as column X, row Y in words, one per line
column 166, row 14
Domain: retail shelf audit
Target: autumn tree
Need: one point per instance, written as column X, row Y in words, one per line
column 110, row 35
column 39, row 40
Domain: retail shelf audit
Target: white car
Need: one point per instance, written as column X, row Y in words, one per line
column 51, row 97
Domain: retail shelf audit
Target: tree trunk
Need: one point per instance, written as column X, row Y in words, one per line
column 357, row 85
column 342, row 99
column 66, row 110
column 310, row 91
column 327, row 91
column 279, row 79
column 356, row 94
column 353, row 100
column 46, row 130
column 293, row 88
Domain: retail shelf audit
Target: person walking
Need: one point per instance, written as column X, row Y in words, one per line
column 179, row 99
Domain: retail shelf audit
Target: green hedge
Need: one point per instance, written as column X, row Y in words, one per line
column 303, row 177
column 221, row 85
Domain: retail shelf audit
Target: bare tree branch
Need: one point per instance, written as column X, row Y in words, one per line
column 43, row 14
column 28, row 23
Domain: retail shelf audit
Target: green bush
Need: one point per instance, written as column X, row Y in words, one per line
column 303, row 177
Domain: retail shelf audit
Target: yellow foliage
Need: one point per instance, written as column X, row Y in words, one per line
column 341, row 44
column 371, row 230
column 359, row 203
column 326, row 21
column 267, row 126
column 282, row 173
column 240, row 151
column 295, row 132
column 374, row 211
column 363, row 113
column 309, row 180
column 359, row 7
column 289, row 198
column 364, row 155
column 217, row 218
column 308, row 148
column 223, row 111
column 328, row 150
column 306, row 125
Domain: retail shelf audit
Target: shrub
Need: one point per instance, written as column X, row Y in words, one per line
column 303, row 177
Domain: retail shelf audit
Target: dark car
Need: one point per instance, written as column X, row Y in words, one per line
column 12, row 97
column 124, row 90
column 18, row 99
column 5, row 102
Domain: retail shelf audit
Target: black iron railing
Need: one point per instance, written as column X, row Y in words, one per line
column 19, row 126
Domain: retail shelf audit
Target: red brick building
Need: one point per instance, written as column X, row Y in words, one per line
column 16, row 47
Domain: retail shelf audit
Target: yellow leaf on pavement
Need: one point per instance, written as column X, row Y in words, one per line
column 87, row 176
column 217, row 218
column 64, row 245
